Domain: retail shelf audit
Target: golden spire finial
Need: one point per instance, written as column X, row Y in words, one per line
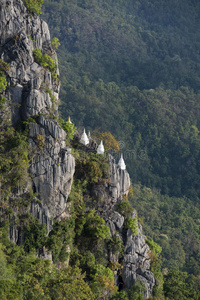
column 69, row 121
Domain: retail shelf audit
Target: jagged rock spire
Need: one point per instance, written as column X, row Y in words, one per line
column 84, row 138
column 121, row 163
column 100, row 149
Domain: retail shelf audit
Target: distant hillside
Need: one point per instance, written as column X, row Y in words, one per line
column 142, row 43
column 131, row 68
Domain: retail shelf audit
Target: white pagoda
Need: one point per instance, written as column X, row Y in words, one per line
column 69, row 120
column 84, row 138
column 100, row 149
column 121, row 163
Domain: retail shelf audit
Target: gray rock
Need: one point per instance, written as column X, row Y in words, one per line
column 120, row 180
column 136, row 258
column 136, row 265
column 52, row 165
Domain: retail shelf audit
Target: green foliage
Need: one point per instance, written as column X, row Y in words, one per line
column 46, row 61
column 3, row 83
column 55, row 43
column 99, row 270
column 156, row 267
column 34, row 235
column 60, row 239
column 91, row 168
column 173, row 223
column 26, row 276
column 76, row 196
column 13, row 159
column 92, row 226
column 69, row 283
column 109, row 141
column 116, row 245
column 4, row 67
column 155, row 248
column 9, row 287
column 2, row 102
column 68, row 127
column 179, row 286
column 40, row 141
column 102, row 282
column 132, row 225
column 34, row 6
column 125, row 208
column 128, row 294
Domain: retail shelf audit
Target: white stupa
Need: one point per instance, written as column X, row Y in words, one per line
column 121, row 163
column 89, row 136
column 84, row 139
column 100, row 149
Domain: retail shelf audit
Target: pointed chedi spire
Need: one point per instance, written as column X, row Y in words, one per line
column 100, row 149
column 69, row 120
column 89, row 136
column 121, row 163
column 84, row 138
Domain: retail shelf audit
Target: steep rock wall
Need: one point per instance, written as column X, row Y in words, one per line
column 34, row 94
column 136, row 257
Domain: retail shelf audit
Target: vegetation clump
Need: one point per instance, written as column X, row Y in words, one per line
column 109, row 141
column 46, row 61
column 55, row 43
column 131, row 224
column 34, row 6
column 68, row 127
column 125, row 208
column 91, row 168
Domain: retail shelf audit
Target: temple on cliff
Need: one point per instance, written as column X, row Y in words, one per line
column 100, row 149
column 84, row 138
column 121, row 163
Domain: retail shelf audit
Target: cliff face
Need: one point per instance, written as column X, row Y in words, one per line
column 136, row 257
column 34, row 94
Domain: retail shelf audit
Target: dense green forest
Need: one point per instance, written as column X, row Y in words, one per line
column 132, row 68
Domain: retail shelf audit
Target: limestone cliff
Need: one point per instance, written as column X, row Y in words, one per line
column 34, row 92
column 136, row 257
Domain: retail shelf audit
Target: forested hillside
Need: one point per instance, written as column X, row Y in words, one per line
column 133, row 68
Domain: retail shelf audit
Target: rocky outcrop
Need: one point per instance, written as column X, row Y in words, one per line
column 53, row 166
column 136, row 265
column 119, row 180
column 136, row 258
column 34, row 95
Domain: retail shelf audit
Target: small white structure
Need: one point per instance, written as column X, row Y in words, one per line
column 100, row 149
column 69, row 120
column 84, row 138
column 121, row 163
column 89, row 136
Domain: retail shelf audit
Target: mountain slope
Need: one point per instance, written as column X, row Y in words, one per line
column 63, row 229
column 132, row 68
